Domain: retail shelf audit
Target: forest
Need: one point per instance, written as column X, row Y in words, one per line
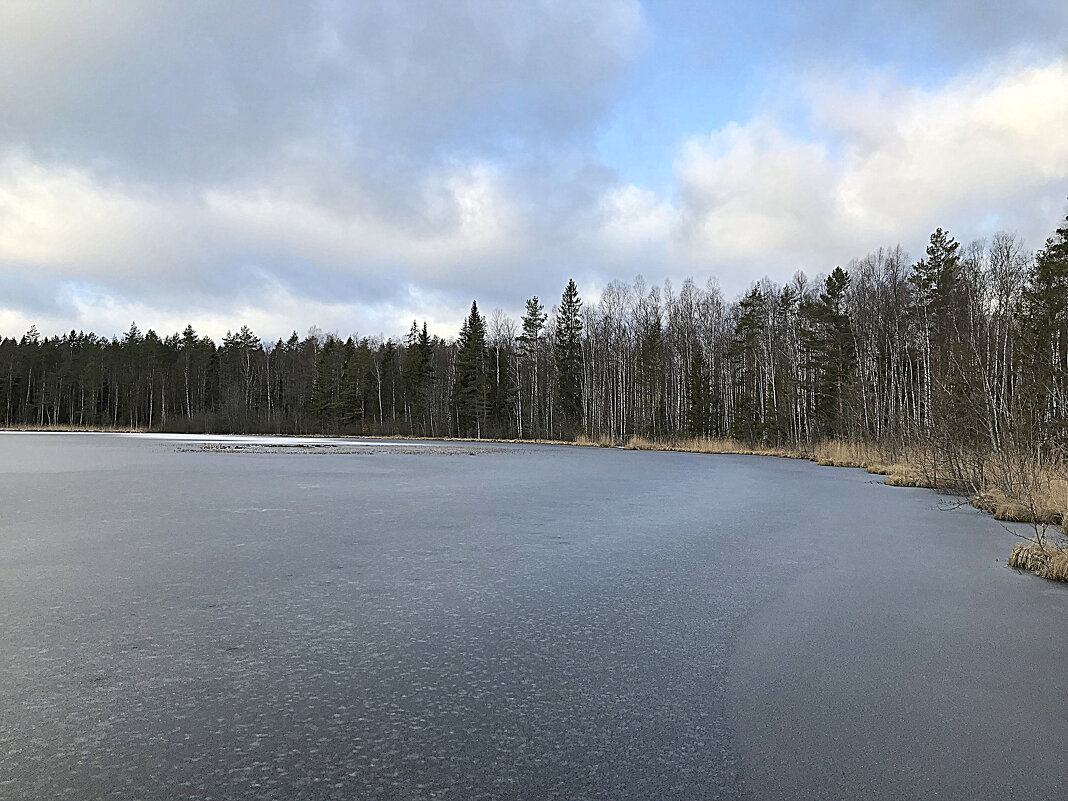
column 962, row 353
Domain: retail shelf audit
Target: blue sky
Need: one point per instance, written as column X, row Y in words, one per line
column 353, row 166
column 703, row 65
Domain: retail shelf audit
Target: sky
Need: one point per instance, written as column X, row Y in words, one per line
column 355, row 166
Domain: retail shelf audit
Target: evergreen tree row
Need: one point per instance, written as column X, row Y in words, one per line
column 966, row 347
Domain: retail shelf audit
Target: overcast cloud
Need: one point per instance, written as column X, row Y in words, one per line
column 355, row 166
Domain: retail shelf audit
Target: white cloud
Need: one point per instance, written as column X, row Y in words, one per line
column 61, row 221
column 977, row 143
column 464, row 215
column 59, row 218
column 634, row 218
column 880, row 166
column 269, row 309
column 751, row 190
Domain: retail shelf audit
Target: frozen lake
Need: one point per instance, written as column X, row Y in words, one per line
column 197, row 618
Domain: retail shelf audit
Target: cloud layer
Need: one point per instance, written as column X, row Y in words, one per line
column 354, row 166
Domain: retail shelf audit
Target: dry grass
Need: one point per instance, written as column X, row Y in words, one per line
column 600, row 441
column 828, row 454
column 1013, row 510
column 708, row 445
column 1057, row 569
column 1026, row 490
column 836, row 453
column 1041, row 559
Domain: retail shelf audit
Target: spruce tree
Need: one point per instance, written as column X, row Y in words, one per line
column 829, row 352
column 471, row 387
column 327, row 394
column 1044, row 384
column 567, row 348
column 417, row 371
column 529, row 347
column 698, row 405
column 356, row 383
column 1046, row 293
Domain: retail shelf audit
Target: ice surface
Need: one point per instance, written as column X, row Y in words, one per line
column 528, row 623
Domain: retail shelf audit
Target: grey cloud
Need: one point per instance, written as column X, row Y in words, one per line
column 310, row 151
column 178, row 88
column 19, row 289
column 357, row 113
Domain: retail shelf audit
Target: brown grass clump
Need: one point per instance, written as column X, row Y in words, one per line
column 1013, row 510
column 74, row 429
column 708, row 445
column 829, row 454
column 845, row 454
column 1057, row 569
column 1041, row 559
column 602, row 440
column 1025, row 490
column 907, row 480
column 1028, row 556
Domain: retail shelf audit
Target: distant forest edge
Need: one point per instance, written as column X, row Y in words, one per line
column 963, row 354
column 967, row 345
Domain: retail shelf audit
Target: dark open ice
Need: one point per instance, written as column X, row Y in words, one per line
column 524, row 622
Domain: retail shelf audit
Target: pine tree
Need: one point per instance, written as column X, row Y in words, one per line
column 937, row 276
column 533, row 322
column 839, row 354
column 568, row 351
column 747, row 349
column 936, row 281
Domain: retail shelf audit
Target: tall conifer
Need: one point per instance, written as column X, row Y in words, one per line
column 568, row 352
column 471, row 388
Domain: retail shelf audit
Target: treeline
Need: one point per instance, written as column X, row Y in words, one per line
column 966, row 348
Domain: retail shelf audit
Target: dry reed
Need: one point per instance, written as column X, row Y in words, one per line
column 1041, row 559
column 73, row 429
